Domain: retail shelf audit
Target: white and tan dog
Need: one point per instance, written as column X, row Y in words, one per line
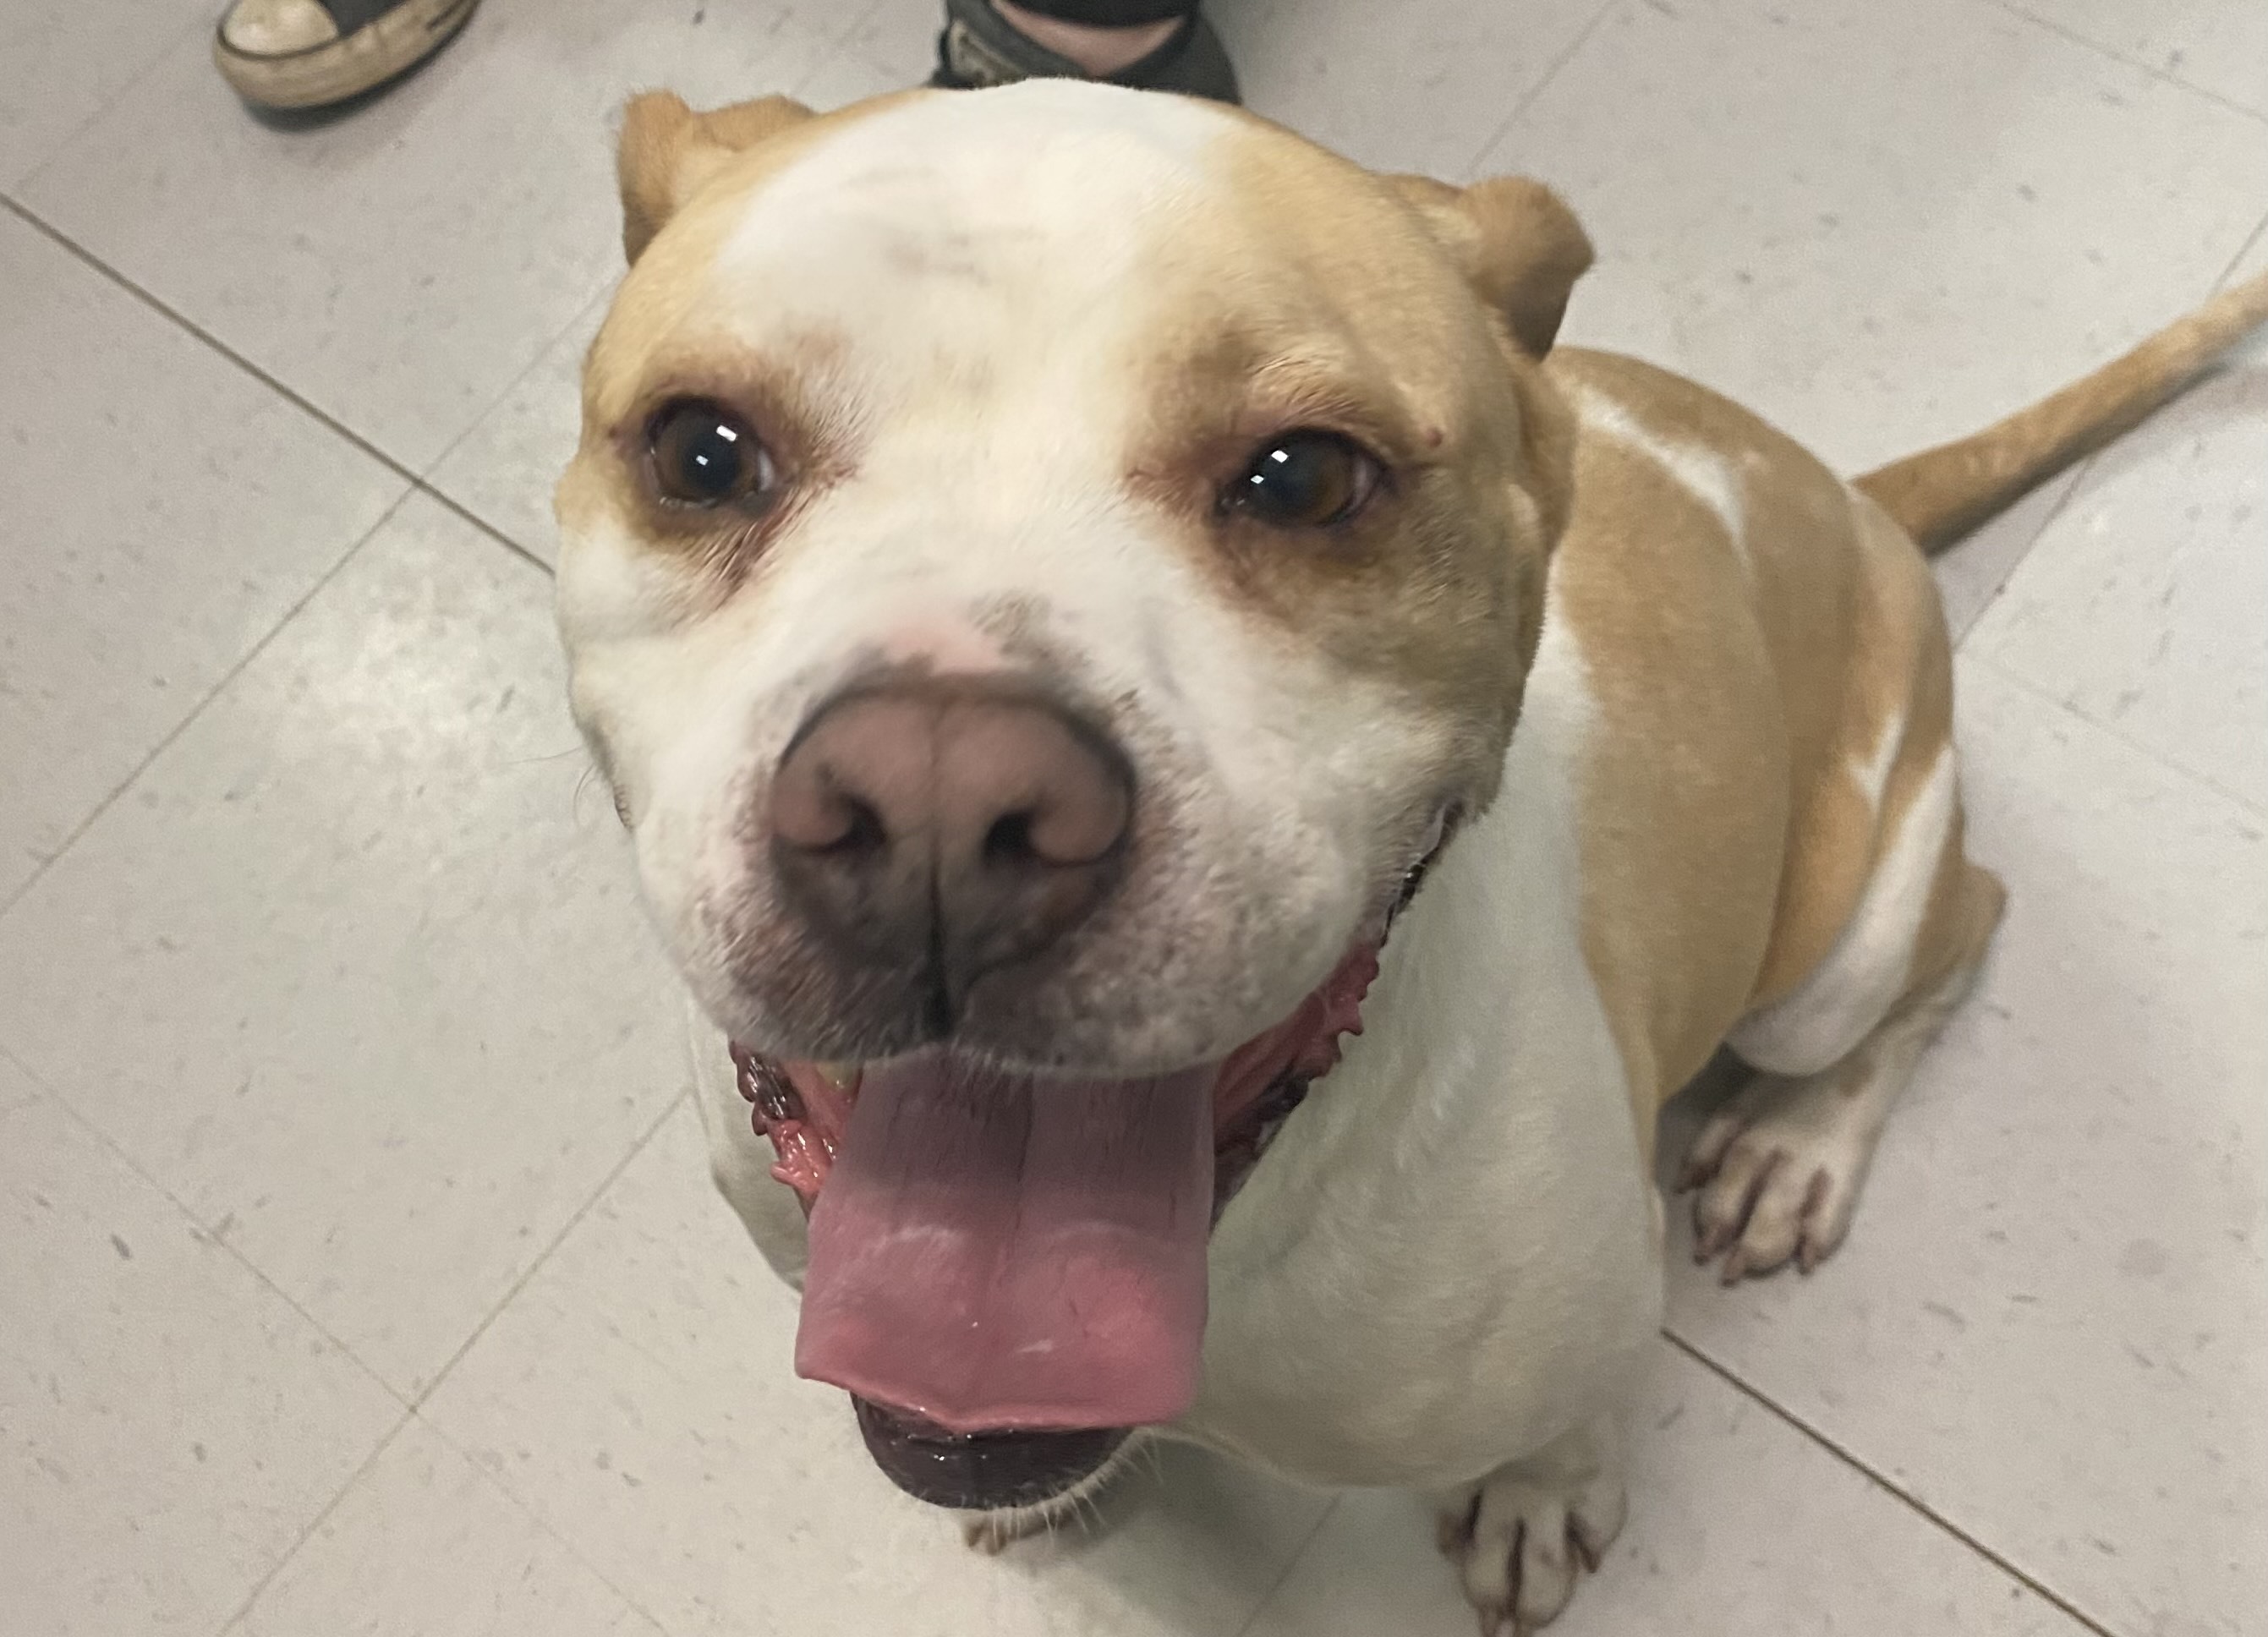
column 1046, row 572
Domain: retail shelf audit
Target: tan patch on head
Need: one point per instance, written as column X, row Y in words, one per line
column 1407, row 317
column 668, row 152
column 690, row 172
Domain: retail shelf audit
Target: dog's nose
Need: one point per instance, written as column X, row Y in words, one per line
column 948, row 825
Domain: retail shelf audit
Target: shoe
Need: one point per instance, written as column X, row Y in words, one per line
column 980, row 48
column 310, row 53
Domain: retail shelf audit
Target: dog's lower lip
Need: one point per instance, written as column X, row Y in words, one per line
column 982, row 1471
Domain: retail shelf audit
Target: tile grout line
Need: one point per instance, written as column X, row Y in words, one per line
column 840, row 43
column 645, row 1139
column 2081, row 472
column 1291, row 1562
column 204, row 1230
column 2259, row 230
column 133, row 83
column 197, row 710
column 11, row 199
column 494, row 1480
column 235, row 1621
column 2078, row 474
column 2118, row 736
column 465, row 514
column 2014, row 8
column 1520, row 105
column 410, row 1406
column 1920, row 1508
column 417, row 481
column 503, row 1490
column 598, row 293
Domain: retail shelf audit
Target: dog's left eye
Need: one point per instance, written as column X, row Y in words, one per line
column 704, row 455
column 1305, row 480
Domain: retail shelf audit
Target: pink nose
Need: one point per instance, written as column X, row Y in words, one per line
column 949, row 823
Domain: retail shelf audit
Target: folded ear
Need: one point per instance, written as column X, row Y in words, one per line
column 667, row 151
column 1521, row 247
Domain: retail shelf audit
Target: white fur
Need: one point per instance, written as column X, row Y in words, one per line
column 1842, row 1001
column 1871, row 772
column 1450, row 1257
column 1697, row 469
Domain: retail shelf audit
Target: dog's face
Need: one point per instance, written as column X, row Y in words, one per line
column 1148, row 408
column 1041, row 569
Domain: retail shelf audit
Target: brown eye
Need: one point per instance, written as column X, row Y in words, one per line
column 704, row 455
column 1305, row 480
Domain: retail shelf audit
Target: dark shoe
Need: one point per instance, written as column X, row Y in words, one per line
column 980, row 48
column 310, row 53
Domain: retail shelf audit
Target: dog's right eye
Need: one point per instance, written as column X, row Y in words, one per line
column 704, row 455
column 1305, row 480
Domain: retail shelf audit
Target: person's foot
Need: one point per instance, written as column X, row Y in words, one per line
column 994, row 42
column 309, row 54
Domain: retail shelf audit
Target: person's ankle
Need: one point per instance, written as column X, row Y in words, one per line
column 1102, row 51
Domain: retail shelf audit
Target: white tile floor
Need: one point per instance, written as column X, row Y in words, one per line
column 358, row 1272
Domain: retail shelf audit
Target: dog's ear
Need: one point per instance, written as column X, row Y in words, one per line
column 667, row 151
column 1518, row 244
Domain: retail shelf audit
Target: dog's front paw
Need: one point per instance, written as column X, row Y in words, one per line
column 1521, row 1537
column 1779, row 1170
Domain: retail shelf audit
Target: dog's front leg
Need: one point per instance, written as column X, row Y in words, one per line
column 1519, row 1537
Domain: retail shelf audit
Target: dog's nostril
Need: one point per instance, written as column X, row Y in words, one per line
column 820, row 817
column 1009, row 841
column 863, row 829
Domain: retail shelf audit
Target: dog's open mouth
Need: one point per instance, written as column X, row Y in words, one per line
column 1007, row 1269
column 995, row 1251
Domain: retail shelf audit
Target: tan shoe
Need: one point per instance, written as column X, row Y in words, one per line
column 309, row 54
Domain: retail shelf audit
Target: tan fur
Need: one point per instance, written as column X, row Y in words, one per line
column 1426, row 587
column 1813, row 632
column 1686, row 796
column 667, row 152
column 1941, row 494
column 668, row 156
column 1516, row 240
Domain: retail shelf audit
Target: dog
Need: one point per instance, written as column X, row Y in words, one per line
column 1206, row 780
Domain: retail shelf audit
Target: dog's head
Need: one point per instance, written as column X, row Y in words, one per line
column 1042, row 569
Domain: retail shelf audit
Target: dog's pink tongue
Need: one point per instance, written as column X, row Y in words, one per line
column 994, row 1250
